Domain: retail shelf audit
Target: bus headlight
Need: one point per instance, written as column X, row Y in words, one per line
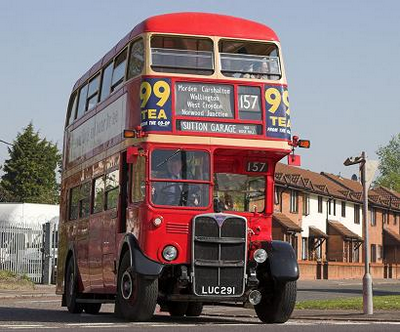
column 170, row 253
column 260, row 256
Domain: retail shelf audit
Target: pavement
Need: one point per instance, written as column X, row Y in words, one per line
column 48, row 291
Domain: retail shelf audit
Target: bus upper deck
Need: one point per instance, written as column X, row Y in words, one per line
column 209, row 80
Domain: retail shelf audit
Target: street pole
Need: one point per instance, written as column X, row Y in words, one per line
column 367, row 279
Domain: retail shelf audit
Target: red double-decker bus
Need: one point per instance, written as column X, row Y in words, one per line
column 170, row 146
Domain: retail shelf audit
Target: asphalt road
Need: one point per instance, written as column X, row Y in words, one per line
column 46, row 313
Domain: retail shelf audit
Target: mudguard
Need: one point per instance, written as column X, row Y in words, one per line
column 282, row 261
column 139, row 262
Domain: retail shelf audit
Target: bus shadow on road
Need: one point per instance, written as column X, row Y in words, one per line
column 37, row 315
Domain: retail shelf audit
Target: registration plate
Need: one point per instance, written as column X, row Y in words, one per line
column 217, row 290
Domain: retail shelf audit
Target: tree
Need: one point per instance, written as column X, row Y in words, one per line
column 389, row 164
column 30, row 173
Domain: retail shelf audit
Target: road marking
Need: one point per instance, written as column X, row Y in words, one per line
column 22, row 326
column 39, row 301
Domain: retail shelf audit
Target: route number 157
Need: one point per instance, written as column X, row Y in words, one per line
column 256, row 167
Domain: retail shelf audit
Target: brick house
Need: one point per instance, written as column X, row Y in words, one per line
column 321, row 216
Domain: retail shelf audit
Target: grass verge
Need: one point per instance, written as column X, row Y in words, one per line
column 390, row 302
column 10, row 280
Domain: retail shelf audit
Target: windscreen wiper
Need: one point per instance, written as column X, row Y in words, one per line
column 168, row 158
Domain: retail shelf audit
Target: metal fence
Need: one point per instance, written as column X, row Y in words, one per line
column 25, row 249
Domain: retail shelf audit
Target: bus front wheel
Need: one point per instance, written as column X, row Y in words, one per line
column 278, row 305
column 136, row 296
column 71, row 289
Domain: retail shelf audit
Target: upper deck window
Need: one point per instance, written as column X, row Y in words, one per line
column 72, row 108
column 119, row 70
column 182, row 55
column 136, row 58
column 244, row 59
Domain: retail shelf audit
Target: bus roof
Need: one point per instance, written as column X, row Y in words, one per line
column 190, row 24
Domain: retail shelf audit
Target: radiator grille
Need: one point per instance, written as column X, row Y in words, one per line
column 219, row 255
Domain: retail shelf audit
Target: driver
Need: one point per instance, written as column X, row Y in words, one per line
column 174, row 193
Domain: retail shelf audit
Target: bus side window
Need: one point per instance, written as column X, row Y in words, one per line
column 136, row 59
column 119, row 70
column 106, row 82
column 93, row 93
column 98, row 195
column 72, row 109
column 82, row 101
column 138, row 183
column 112, row 189
column 84, row 201
column 74, row 194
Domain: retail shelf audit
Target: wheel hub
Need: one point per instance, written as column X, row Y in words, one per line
column 126, row 285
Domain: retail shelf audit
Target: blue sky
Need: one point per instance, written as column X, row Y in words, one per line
column 342, row 62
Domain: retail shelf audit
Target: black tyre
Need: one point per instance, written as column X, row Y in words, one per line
column 278, row 306
column 71, row 287
column 194, row 309
column 92, row 308
column 177, row 309
column 136, row 296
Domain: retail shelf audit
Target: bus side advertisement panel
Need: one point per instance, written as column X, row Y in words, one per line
column 155, row 104
column 278, row 112
column 99, row 129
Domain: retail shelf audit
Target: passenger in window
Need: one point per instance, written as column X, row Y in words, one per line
column 228, row 202
column 261, row 70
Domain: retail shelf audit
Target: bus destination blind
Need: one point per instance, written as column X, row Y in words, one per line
column 204, row 100
column 218, row 128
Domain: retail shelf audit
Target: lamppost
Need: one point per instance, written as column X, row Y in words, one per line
column 7, row 143
column 367, row 279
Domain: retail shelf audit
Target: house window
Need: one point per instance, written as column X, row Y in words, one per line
column 343, row 209
column 276, row 196
column 380, row 252
column 356, row 254
column 372, row 216
column 334, row 207
column 306, row 204
column 304, row 246
column 294, row 201
column 396, row 216
column 384, row 218
column 329, row 203
column 356, row 214
column 373, row 253
column 320, row 201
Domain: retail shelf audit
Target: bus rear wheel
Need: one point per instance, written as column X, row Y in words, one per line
column 71, row 287
column 276, row 307
column 136, row 296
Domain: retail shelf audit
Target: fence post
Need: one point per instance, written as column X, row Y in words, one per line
column 47, row 255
